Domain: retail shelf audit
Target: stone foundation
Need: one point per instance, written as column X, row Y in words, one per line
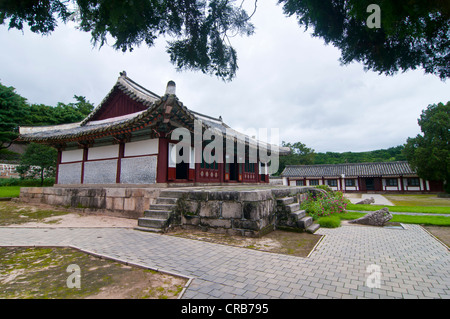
column 250, row 213
column 126, row 202
column 228, row 210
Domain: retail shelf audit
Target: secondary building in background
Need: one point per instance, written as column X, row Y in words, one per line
column 127, row 140
column 360, row 177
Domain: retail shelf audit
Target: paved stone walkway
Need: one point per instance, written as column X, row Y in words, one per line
column 412, row 263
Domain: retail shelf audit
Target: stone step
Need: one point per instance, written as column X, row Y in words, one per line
column 305, row 222
column 313, row 228
column 293, row 207
column 166, row 200
column 286, row 200
column 152, row 222
column 148, row 229
column 166, row 207
column 171, row 193
column 157, row 214
column 299, row 214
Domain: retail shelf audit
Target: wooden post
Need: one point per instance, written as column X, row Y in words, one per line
column 163, row 157
column 119, row 161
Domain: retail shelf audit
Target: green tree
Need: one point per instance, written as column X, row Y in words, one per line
column 429, row 153
column 15, row 112
column 300, row 155
column 39, row 159
column 382, row 155
column 12, row 112
column 412, row 34
column 199, row 30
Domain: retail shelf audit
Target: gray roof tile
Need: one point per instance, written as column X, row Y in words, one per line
column 349, row 169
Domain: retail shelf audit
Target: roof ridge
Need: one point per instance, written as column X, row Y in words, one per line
column 359, row 163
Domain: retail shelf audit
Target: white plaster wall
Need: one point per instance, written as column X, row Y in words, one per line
column 102, row 152
column 100, row 172
column 72, row 156
column 391, row 188
column 145, row 174
column 69, row 173
column 144, row 147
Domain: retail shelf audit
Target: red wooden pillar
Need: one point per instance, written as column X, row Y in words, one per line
column 221, row 167
column 85, row 157
column 163, row 160
column 58, row 162
column 119, row 161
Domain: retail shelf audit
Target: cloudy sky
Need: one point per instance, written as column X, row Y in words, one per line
column 286, row 80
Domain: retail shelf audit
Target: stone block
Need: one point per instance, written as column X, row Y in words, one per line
column 192, row 207
column 246, row 224
column 198, row 195
column 209, row 209
column 134, row 192
column 118, row 203
column 115, row 192
column 258, row 210
column 142, row 203
column 216, row 222
column 190, row 220
column 255, row 195
column 109, row 203
column 231, row 209
column 223, row 195
column 129, row 203
column 33, row 190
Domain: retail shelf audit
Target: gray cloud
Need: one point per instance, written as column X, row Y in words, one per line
column 286, row 80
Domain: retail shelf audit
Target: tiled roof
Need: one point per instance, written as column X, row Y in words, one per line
column 349, row 169
column 88, row 129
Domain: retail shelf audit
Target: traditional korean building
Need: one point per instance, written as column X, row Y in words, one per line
column 360, row 177
column 127, row 140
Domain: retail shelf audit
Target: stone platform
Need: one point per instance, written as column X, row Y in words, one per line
column 248, row 210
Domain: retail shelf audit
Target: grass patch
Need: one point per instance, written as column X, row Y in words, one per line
column 406, row 219
column 11, row 213
column 10, row 191
column 329, row 221
column 418, row 200
column 404, row 209
column 41, row 273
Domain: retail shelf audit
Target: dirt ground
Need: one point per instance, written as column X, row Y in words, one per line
column 44, row 273
column 282, row 242
column 441, row 233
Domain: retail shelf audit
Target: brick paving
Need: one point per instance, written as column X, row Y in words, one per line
column 412, row 263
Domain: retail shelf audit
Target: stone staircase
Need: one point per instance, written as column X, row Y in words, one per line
column 157, row 218
column 296, row 217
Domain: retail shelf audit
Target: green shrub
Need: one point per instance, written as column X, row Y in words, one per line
column 26, row 182
column 325, row 188
column 319, row 205
column 329, row 222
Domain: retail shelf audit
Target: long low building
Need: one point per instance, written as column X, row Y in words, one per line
column 360, row 177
